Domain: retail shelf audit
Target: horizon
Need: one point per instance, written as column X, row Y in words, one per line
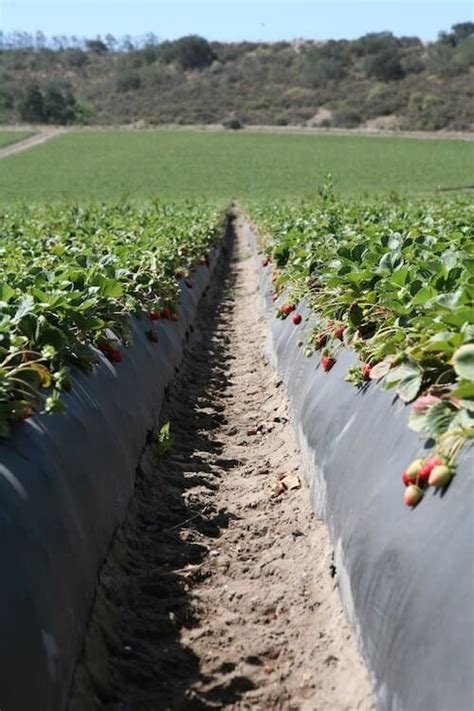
column 259, row 21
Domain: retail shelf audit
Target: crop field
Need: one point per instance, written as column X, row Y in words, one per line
column 9, row 137
column 219, row 166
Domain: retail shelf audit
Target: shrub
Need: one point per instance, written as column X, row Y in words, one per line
column 345, row 118
column 233, row 124
column 128, row 81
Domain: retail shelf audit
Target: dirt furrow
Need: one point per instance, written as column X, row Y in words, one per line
column 219, row 590
column 36, row 140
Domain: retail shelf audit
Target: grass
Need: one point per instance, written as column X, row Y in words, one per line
column 111, row 164
column 8, row 137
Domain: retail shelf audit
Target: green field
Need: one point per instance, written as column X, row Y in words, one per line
column 172, row 164
column 8, row 137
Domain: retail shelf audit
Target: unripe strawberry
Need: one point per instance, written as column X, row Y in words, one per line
column 288, row 308
column 414, row 467
column 296, row 319
column 440, row 475
column 173, row 316
column 426, row 469
column 410, row 475
column 424, row 402
column 265, row 262
column 413, row 495
column 327, row 362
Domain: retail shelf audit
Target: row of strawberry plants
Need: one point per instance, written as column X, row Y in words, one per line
column 71, row 277
column 393, row 279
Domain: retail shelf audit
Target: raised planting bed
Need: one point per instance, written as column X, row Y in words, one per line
column 97, row 303
column 352, row 272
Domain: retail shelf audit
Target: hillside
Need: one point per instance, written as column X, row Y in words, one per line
column 377, row 80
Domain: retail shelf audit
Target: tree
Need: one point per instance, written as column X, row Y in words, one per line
column 58, row 107
column 384, row 65
column 31, row 105
column 96, row 46
column 191, row 52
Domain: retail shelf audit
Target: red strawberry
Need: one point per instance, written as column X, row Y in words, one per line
column 426, row 469
column 287, row 308
column 327, row 362
column 174, row 316
column 434, row 462
column 152, row 336
column 115, row 356
column 339, row 332
column 165, row 314
column 265, row 262
column 296, row 319
column 440, row 475
column 154, row 315
column 366, row 368
column 26, row 412
column 207, row 262
column 179, row 274
column 413, row 495
column 188, row 284
column 105, row 347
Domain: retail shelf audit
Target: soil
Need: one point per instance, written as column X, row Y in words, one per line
column 220, row 590
column 30, row 142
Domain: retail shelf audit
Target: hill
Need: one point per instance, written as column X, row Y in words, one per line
column 377, row 80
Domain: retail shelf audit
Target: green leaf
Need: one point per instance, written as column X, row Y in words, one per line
column 6, row 293
column 409, row 387
column 439, row 417
column 463, row 361
column 25, row 307
column 465, row 389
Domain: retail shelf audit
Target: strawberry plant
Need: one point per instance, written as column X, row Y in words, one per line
column 72, row 276
column 392, row 279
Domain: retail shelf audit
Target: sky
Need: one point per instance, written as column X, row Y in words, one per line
column 234, row 20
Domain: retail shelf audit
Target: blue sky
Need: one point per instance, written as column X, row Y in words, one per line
column 228, row 20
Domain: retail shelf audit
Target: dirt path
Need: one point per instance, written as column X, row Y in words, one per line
column 218, row 593
column 30, row 142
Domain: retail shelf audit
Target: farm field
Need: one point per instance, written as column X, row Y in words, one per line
column 108, row 165
column 9, row 137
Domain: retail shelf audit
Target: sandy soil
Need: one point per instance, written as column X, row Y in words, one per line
column 30, row 142
column 220, row 590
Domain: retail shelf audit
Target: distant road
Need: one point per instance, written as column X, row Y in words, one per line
column 35, row 140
